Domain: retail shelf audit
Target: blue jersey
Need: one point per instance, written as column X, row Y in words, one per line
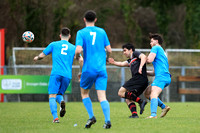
column 63, row 54
column 93, row 40
column 160, row 63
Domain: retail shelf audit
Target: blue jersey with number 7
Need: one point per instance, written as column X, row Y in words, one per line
column 93, row 40
column 62, row 57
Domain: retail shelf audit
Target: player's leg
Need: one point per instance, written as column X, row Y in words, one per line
column 123, row 93
column 132, row 107
column 155, row 92
column 88, row 105
column 87, row 80
column 54, row 84
column 87, row 102
column 59, row 98
column 101, row 85
column 105, row 107
column 131, row 96
column 166, row 108
column 133, row 88
column 147, row 93
column 53, row 107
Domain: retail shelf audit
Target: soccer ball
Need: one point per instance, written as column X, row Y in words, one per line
column 28, row 36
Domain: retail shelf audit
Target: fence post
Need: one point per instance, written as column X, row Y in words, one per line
column 183, row 83
column 65, row 97
column 14, row 61
column 167, row 91
column 122, row 80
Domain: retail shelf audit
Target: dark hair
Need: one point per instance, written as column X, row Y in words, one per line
column 128, row 46
column 90, row 15
column 65, row 31
column 156, row 37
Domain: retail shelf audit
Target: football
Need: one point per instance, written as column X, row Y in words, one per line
column 28, row 36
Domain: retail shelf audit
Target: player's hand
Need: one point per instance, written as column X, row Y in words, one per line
column 111, row 60
column 79, row 76
column 35, row 58
column 140, row 70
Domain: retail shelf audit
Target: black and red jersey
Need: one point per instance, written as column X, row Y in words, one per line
column 134, row 64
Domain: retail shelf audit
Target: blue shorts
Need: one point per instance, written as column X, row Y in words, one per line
column 89, row 78
column 161, row 81
column 58, row 84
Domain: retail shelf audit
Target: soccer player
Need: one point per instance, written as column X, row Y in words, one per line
column 63, row 54
column 93, row 41
column 162, row 79
column 135, row 86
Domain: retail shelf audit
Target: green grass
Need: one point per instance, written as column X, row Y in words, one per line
column 35, row 117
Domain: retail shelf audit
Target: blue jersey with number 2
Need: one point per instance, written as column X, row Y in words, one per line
column 62, row 56
column 93, row 40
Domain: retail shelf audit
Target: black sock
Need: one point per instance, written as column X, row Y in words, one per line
column 131, row 96
column 132, row 108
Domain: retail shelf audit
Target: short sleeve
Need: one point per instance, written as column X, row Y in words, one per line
column 106, row 40
column 48, row 49
column 79, row 39
column 136, row 54
column 154, row 49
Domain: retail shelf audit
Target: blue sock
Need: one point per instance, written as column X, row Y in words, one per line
column 53, row 107
column 161, row 104
column 59, row 98
column 154, row 105
column 106, row 110
column 88, row 105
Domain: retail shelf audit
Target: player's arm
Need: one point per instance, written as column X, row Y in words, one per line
column 39, row 57
column 79, row 49
column 118, row 63
column 151, row 57
column 80, row 70
column 151, row 73
column 81, row 63
column 108, row 52
column 143, row 61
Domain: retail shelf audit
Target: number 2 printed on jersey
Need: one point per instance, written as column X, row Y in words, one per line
column 64, row 49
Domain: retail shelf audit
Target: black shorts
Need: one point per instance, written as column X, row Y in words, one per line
column 136, row 84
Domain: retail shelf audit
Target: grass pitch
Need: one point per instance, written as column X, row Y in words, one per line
column 35, row 117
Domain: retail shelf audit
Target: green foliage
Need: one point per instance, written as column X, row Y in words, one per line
column 15, row 9
column 102, row 16
column 45, row 18
column 192, row 25
column 60, row 12
column 132, row 29
column 163, row 16
column 35, row 117
column 35, row 20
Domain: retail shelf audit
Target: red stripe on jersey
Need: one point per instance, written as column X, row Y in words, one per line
column 134, row 59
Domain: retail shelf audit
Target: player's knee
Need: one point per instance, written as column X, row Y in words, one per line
column 128, row 101
column 153, row 95
column 146, row 94
column 84, row 96
column 52, row 95
column 102, row 99
column 120, row 93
